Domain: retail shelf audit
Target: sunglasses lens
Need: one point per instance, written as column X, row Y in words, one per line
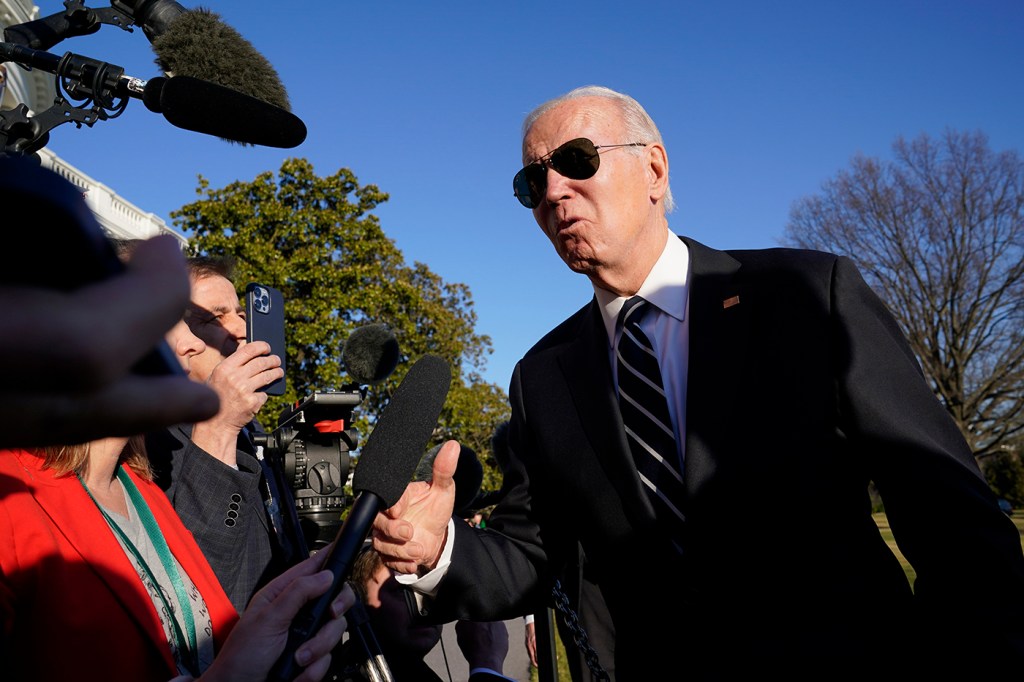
column 529, row 185
column 577, row 159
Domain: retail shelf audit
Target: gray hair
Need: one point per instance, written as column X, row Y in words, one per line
column 640, row 127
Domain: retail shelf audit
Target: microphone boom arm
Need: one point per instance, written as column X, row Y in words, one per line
column 79, row 20
column 102, row 88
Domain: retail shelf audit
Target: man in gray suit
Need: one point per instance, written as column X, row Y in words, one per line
column 748, row 550
column 211, row 471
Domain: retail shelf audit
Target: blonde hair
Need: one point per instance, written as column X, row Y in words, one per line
column 74, row 459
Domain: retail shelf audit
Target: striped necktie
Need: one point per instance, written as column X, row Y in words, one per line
column 645, row 417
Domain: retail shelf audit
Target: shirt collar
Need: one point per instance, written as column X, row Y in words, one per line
column 665, row 286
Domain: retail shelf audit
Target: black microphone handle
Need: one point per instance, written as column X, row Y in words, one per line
column 339, row 562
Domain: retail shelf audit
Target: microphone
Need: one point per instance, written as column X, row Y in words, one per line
column 193, row 43
column 382, row 473
column 370, row 354
column 197, row 43
column 185, row 102
column 205, row 107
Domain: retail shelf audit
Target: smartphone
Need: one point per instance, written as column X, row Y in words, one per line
column 264, row 321
column 55, row 242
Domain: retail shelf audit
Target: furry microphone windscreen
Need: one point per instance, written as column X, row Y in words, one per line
column 370, row 354
column 198, row 44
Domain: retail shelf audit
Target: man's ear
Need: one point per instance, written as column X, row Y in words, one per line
column 657, row 169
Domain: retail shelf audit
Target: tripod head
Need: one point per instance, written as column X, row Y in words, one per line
column 311, row 445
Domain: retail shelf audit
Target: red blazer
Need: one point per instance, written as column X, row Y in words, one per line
column 72, row 606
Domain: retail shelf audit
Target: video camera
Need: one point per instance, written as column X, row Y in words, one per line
column 311, row 446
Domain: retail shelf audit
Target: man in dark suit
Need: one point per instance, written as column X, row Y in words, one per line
column 212, row 472
column 789, row 388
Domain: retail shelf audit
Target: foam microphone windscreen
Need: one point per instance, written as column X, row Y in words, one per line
column 388, row 459
column 370, row 354
column 205, row 107
column 198, row 44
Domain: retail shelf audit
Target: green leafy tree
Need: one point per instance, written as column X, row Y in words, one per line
column 938, row 232
column 1005, row 474
column 316, row 240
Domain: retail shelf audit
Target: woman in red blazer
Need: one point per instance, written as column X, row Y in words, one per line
column 100, row 580
column 72, row 602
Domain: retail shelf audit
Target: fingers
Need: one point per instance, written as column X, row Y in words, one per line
column 315, row 653
column 148, row 299
column 413, row 532
column 250, row 351
column 445, row 463
column 294, row 595
column 392, row 540
column 239, row 378
column 78, row 340
column 132, row 405
column 247, row 369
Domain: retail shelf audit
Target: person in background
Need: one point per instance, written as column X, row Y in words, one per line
column 231, row 499
column 717, row 417
column 530, row 637
column 100, row 564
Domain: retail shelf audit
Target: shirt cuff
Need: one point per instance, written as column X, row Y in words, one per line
column 426, row 584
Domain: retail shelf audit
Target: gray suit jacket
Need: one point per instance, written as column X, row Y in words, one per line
column 797, row 398
column 222, row 506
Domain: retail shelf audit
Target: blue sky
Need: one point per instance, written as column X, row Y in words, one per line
column 759, row 103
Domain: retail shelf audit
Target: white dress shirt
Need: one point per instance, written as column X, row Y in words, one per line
column 666, row 325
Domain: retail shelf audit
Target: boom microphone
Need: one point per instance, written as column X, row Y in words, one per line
column 383, row 471
column 204, row 107
column 185, row 102
column 370, row 354
column 193, row 43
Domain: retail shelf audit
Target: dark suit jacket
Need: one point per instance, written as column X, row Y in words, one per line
column 72, row 606
column 222, row 506
column 797, row 397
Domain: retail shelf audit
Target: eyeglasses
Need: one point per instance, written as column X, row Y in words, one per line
column 576, row 159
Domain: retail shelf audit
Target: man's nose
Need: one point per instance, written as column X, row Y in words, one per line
column 558, row 186
column 235, row 326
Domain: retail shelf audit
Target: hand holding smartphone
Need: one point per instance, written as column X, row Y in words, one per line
column 264, row 321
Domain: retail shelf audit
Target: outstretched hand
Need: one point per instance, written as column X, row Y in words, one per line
column 411, row 534
column 259, row 638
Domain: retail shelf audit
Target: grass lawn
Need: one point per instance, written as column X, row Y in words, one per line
column 560, row 662
column 883, row 525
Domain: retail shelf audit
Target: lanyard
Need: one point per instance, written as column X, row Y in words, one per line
column 188, row 650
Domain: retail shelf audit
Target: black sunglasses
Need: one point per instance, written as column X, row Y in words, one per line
column 576, row 159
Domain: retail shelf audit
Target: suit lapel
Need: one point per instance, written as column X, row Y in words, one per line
column 588, row 375
column 719, row 311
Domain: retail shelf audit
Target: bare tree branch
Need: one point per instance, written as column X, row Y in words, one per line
column 939, row 233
